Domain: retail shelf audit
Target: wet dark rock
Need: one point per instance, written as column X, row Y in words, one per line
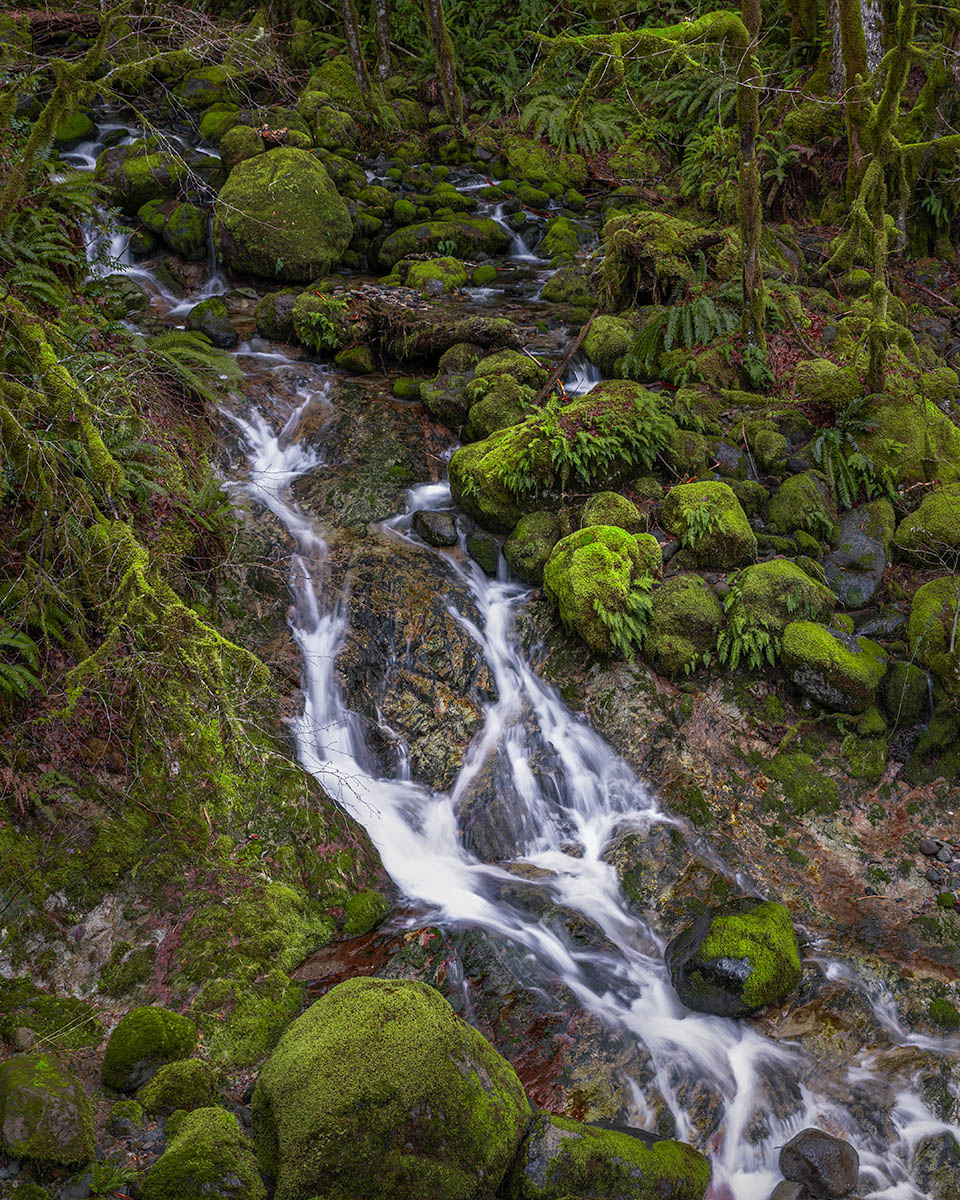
column 209, row 317
column 930, row 846
column 785, row 1190
column 827, row 1166
column 436, row 528
column 484, row 549
column 878, row 622
column 936, row 1166
column 408, row 667
column 855, row 569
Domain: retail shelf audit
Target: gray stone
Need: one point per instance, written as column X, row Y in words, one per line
column 878, row 622
column 825, row 1165
column 855, row 569
column 936, row 1166
column 930, row 847
column 785, row 1190
column 436, row 528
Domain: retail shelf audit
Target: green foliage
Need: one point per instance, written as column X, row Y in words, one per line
column 695, row 321
column 849, row 469
column 708, row 170
column 626, row 630
column 749, row 640
column 571, row 127
column 701, row 522
column 204, row 373
column 319, row 331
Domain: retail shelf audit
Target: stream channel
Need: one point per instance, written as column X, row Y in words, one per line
column 568, row 793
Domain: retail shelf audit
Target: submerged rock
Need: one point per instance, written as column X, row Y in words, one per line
column 381, row 1089
column 561, row 1158
column 825, row 1165
column 735, row 960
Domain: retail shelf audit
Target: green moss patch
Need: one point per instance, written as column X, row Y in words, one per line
column 143, row 1041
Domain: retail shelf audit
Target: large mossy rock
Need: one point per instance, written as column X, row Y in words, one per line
column 530, row 545
column 142, row 1042
column 464, row 237
column 931, row 535
column 45, row 1115
column 736, row 960
column 770, row 595
column 839, row 671
column 930, row 629
column 207, row 1158
column 598, row 579
column 610, row 508
column 189, row 1084
column 595, row 440
column 140, row 171
column 563, row 1158
column 913, row 439
column 803, row 501
column 279, row 216
column 684, row 624
column 710, row 523
column 380, row 1089
column 531, row 159
column 606, row 341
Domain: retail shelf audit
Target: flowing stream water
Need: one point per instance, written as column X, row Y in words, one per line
column 568, row 789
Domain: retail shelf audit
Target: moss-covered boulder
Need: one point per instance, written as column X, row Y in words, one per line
column 133, row 174
column 906, row 694
column 45, row 1115
column 684, row 622
column 560, row 241
column 930, row 629
column 768, row 596
column 839, row 671
column 207, row 1158
column 710, row 523
column 736, row 960
column 561, row 1158
column 912, row 439
column 274, row 315
column 464, row 237
column 571, row 285
column 607, row 340
column 931, row 535
column 821, row 381
column 599, row 579
column 209, row 317
column 142, row 1042
column 279, row 216
column 381, row 1089
column 503, row 402
column 803, row 501
column 530, row 544
column 206, row 86
column 72, row 129
column 436, row 276
column 610, row 508
column 189, row 1084
column 364, row 912
column 855, row 568
column 239, row 143
column 533, row 160
column 593, row 441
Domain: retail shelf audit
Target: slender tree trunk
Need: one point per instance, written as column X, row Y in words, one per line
column 853, row 47
column 381, row 25
column 446, row 67
column 351, row 26
column 751, row 216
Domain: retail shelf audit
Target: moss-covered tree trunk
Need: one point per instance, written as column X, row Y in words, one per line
column 749, row 83
column 446, row 65
column 381, row 26
column 351, row 27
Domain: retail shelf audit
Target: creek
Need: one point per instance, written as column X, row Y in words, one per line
column 565, row 794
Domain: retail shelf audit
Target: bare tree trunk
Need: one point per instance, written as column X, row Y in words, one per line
column 351, row 26
column 751, row 213
column 381, row 24
column 446, row 67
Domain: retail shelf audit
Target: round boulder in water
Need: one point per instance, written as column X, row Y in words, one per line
column 825, row 1165
column 735, row 960
column 279, row 216
column 380, row 1089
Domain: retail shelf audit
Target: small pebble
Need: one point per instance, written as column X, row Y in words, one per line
column 932, row 876
column 945, row 855
column 930, row 847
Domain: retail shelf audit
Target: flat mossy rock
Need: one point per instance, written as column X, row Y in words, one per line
column 683, row 627
column 279, row 216
column 736, row 960
column 610, row 508
column 465, row 237
column 142, row 1042
column 839, row 671
column 597, row 578
column 529, row 546
column 607, row 340
column 45, row 1115
column 380, row 1089
column 930, row 629
column 189, row 1084
column 709, row 521
column 931, row 535
column 772, row 594
column 561, row 1158
column 615, row 429
column 207, row 1157
column 805, row 787
column 803, row 501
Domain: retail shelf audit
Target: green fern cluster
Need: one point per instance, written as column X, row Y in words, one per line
column 204, row 373
column 568, row 126
column 701, row 521
column 627, row 629
column 748, row 638
column 694, row 322
column 847, row 466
